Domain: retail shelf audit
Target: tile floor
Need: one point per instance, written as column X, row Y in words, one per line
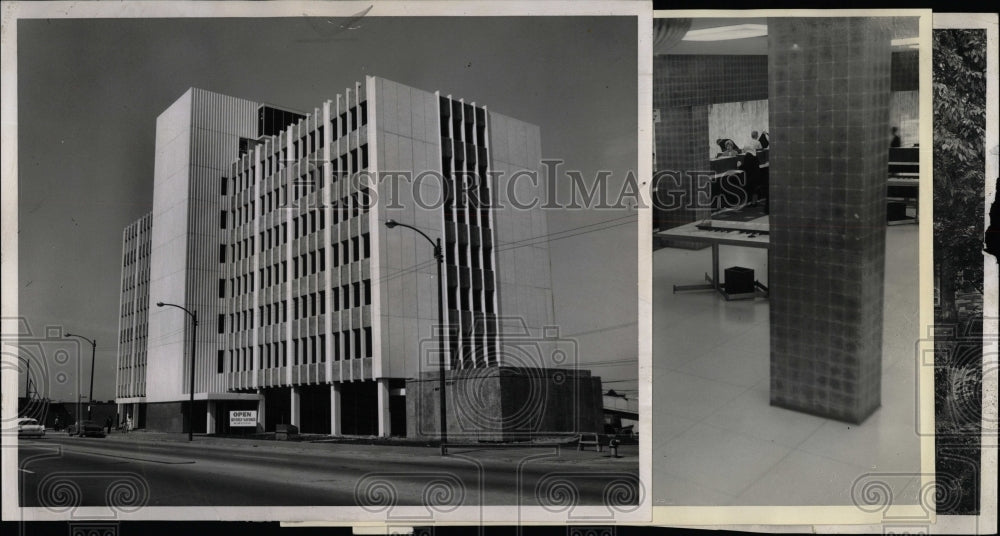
column 717, row 440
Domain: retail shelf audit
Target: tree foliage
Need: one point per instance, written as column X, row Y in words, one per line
column 959, row 157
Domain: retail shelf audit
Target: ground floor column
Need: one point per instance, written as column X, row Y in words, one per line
column 296, row 414
column 261, row 406
column 335, row 408
column 384, row 419
column 210, row 417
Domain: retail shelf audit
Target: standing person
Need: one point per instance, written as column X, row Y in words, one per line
column 57, row 424
column 107, row 423
column 896, row 141
column 128, row 423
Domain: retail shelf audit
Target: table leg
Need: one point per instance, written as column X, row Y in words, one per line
column 715, row 266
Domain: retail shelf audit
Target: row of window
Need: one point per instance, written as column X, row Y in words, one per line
column 348, row 344
column 137, row 333
column 308, row 222
column 141, row 305
column 134, row 254
column 133, row 281
column 133, row 231
column 307, row 182
column 344, row 297
column 352, row 250
column 305, row 145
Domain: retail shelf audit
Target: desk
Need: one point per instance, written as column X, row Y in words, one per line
column 905, row 186
column 751, row 234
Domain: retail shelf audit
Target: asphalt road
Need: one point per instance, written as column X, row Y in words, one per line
column 60, row 473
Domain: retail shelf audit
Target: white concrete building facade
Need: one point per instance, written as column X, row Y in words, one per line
column 270, row 225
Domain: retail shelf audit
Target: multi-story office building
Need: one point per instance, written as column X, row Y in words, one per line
column 270, row 225
column 133, row 314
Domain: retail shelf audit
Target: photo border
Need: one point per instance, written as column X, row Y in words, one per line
column 312, row 515
column 986, row 521
column 848, row 517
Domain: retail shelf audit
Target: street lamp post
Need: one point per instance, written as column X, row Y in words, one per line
column 93, row 364
column 439, row 255
column 194, row 333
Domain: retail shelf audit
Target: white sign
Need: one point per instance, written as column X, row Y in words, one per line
column 243, row 417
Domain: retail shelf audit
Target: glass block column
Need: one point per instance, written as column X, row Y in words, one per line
column 828, row 85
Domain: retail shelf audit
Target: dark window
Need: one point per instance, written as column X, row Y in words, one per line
column 336, row 346
column 322, row 348
column 222, row 253
column 222, row 219
column 366, row 240
column 220, row 364
column 368, row 342
column 347, row 345
column 357, row 294
column 368, row 291
column 222, row 323
column 222, row 288
column 364, row 112
column 354, row 118
column 357, row 344
column 224, row 182
column 364, row 156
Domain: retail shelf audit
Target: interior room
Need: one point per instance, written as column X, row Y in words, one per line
column 785, row 264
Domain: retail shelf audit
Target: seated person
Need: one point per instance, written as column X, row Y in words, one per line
column 896, row 141
column 729, row 148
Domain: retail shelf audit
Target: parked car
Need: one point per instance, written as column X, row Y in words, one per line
column 28, row 427
column 86, row 429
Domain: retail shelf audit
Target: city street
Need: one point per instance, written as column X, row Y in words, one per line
column 148, row 469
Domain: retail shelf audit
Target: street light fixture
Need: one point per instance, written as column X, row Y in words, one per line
column 93, row 364
column 194, row 333
column 438, row 254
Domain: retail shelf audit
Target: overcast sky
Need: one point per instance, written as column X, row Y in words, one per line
column 89, row 92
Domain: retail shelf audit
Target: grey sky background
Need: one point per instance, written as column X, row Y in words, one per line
column 89, row 92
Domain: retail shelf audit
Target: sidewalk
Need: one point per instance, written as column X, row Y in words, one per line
column 397, row 449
